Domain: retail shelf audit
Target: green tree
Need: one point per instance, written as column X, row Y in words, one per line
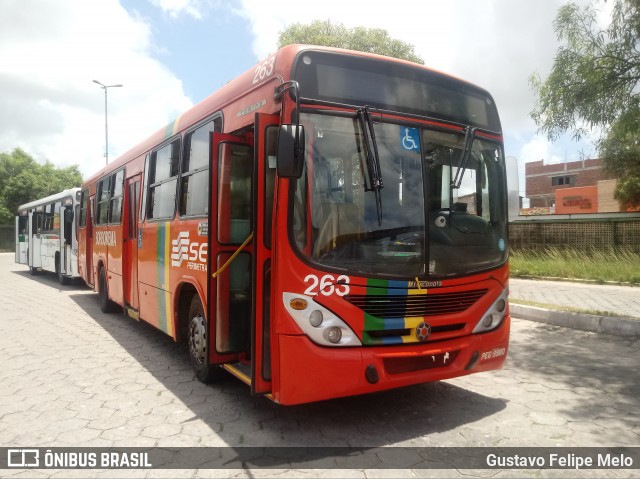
column 593, row 86
column 328, row 34
column 22, row 179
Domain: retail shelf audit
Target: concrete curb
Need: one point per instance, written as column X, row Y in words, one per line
column 585, row 322
column 576, row 280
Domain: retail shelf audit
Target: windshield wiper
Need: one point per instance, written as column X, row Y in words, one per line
column 374, row 172
column 469, row 136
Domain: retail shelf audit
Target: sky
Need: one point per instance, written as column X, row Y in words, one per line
column 171, row 54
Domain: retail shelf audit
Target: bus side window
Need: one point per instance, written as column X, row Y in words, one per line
column 115, row 202
column 84, row 203
column 36, row 222
column 56, row 218
column 163, row 177
column 194, row 184
column 50, row 220
column 22, row 224
column 102, row 215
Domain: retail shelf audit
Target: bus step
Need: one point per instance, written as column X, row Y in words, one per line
column 239, row 370
column 132, row 313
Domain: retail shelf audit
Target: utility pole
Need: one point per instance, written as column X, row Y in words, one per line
column 106, row 119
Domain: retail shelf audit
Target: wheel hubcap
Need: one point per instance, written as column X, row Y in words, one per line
column 198, row 338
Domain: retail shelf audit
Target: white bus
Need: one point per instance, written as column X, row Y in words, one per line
column 46, row 235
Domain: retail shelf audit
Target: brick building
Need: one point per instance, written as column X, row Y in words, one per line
column 542, row 180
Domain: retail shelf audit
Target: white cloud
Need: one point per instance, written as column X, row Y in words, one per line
column 496, row 45
column 49, row 54
column 539, row 148
column 175, row 8
column 196, row 9
column 51, row 51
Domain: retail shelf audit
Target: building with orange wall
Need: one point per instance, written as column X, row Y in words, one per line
column 570, row 188
column 583, row 199
column 589, row 199
column 544, row 180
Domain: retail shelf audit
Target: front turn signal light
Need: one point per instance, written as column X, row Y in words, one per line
column 298, row 304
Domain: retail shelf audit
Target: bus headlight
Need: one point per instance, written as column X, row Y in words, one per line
column 494, row 315
column 316, row 318
column 333, row 334
column 318, row 323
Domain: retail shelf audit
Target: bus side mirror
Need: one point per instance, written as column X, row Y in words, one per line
column 290, row 151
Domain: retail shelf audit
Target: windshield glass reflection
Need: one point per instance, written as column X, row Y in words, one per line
column 341, row 222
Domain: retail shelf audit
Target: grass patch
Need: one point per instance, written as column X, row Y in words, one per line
column 602, row 266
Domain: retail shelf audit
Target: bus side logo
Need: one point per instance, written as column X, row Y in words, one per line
column 183, row 249
column 105, row 238
column 180, row 249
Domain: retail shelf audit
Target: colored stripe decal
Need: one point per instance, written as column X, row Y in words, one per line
column 380, row 287
column 165, row 318
column 160, row 264
column 167, row 295
column 399, row 287
column 172, row 128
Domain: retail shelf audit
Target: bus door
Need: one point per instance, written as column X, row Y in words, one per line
column 22, row 238
column 89, row 241
column 30, row 232
column 239, row 297
column 234, row 278
column 18, row 242
column 130, row 253
column 35, row 227
column 67, row 238
column 231, row 280
column 266, row 138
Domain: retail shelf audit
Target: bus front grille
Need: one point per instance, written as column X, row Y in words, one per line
column 402, row 306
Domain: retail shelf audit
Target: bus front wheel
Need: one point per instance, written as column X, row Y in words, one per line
column 198, row 340
column 61, row 277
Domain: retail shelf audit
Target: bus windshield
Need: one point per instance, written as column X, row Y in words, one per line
column 435, row 211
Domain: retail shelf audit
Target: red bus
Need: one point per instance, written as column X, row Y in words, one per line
column 330, row 223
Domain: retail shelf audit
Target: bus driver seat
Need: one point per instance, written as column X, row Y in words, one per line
column 341, row 224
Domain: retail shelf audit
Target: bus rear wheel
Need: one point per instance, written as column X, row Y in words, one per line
column 106, row 305
column 198, row 340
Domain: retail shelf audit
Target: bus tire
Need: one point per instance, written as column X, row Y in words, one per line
column 106, row 305
column 62, row 279
column 197, row 340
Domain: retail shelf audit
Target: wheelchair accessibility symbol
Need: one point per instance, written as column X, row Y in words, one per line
column 410, row 138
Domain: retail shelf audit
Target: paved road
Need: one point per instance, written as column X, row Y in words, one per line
column 619, row 300
column 73, row 376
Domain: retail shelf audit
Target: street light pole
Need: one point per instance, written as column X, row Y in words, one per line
column 106, row 119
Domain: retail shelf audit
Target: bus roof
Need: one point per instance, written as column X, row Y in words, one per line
column 71, row 192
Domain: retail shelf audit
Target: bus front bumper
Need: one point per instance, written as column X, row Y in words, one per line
column 308, row 372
